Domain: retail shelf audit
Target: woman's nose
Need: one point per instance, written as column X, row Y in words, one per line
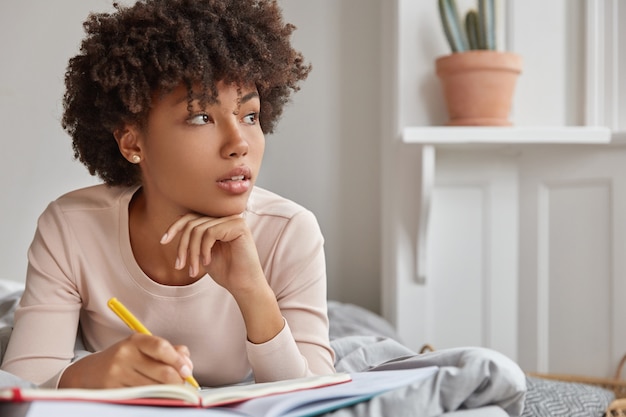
column 234, row 144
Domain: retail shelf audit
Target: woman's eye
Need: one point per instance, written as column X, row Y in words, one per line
column 250, row 118
column 199, row 119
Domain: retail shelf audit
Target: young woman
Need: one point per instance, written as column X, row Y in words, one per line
column 168, row 102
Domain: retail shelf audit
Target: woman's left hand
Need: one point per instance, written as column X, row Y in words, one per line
column 222, row 247
column 225, row 249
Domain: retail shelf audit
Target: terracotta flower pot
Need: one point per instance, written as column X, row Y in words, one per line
column 478, row 86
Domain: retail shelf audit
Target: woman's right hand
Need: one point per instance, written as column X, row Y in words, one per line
column 137, row 360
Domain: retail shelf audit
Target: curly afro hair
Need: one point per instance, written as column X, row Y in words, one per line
column 157, row 45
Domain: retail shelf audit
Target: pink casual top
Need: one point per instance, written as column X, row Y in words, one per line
column 81, row 256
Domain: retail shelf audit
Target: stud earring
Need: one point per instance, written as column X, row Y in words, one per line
column 136, row 159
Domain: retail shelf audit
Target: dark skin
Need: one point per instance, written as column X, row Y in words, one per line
column 197, row 171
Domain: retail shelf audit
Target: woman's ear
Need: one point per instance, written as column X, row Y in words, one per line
column 127, row 139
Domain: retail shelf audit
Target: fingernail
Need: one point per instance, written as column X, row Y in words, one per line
column 178, row 265
column 185, row 371
column 164, row 238
column 191, row 271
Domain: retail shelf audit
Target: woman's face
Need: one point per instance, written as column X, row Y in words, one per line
column 207, row 161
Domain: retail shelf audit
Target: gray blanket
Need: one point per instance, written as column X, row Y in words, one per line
column 467, row 379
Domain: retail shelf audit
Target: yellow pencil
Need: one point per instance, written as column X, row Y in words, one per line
column 132, row 322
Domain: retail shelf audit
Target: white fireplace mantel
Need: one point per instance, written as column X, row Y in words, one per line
column 475, row 137
column 522, row 135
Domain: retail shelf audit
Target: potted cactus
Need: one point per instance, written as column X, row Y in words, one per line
column 478, row 80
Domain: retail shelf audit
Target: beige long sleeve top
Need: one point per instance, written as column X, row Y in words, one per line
column 81, row 256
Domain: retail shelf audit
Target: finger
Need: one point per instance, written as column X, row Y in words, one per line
column 224, row 232
column 204, row 237
column 146, row 371
column 184, row 352
column 118, row 366
column 201, row 241
column 193, row 233
column 127, row 365
column 184, row 242
column 150, row 371
column 184, row 226
column 177, row 226
column 190, row 241
column 181, row 223
column 161, row 352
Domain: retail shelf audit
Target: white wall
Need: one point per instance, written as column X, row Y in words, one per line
column 324, row 155
column 36, row 163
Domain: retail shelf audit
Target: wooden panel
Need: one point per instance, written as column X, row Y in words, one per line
column 457, row 305
column 472, row 251
column 576, row 274
column 572, row 260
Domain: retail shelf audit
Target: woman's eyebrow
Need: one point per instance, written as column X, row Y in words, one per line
column 249, row 96
column 195, row 97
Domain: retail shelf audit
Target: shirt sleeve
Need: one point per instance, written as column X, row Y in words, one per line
column 46, row 320
column 297, row 275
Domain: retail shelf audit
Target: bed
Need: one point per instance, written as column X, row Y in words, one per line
column 471, row 382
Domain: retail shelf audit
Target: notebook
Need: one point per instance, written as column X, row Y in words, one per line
column 173, row 395
column 293, row 398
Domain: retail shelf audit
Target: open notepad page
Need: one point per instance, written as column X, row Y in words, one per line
column 364, row 385
column 236, row 393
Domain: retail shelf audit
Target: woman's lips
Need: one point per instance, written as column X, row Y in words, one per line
column 237, row 181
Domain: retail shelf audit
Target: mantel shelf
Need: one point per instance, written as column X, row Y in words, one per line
column 517, row 135
column 480, row 138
